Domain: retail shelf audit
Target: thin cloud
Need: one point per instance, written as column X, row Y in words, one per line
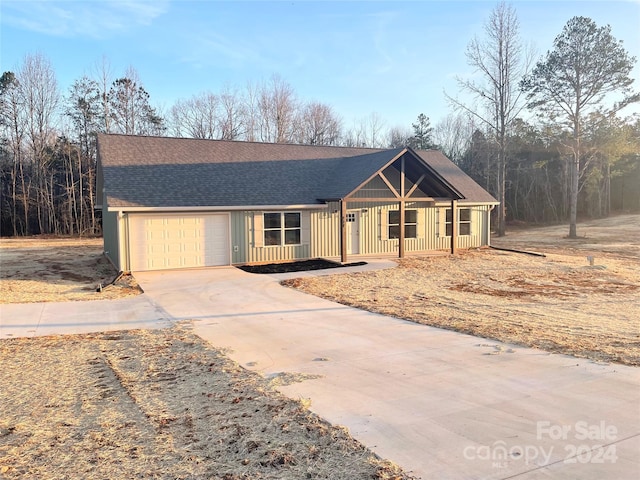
column 81, row 18
column 211, row 49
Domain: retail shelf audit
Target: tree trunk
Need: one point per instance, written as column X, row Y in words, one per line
column 574, row 175
column 573, row 194
column 607, row 190
column 25, row 199
column 502, row 210
column 92, row 211
column 14, row 197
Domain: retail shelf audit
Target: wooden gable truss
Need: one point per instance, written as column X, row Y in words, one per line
column 407, row 179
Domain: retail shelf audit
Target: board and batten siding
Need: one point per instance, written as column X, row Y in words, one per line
column 111, row 237
column 321, row 232
column 248, row 243
column 479, row 228
column 325, row 229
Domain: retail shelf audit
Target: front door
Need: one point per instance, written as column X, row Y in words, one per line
column 353, row 232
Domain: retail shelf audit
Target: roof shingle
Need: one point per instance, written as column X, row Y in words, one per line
column 176, row 172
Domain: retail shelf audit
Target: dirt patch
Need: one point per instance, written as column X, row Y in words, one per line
column 159, row 404
column 560, row 284
column 617, row 235
column 58, row 270
column 302, row 266
column 560, row 303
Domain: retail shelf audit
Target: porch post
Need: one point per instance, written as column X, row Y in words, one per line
column 454, row 226
column 401, row 210
column 401, row 237
column 343, row 230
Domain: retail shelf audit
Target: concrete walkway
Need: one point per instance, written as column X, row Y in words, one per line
column 441, row 404
column 39, row 319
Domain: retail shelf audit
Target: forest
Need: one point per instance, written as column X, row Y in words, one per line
column 546, row 136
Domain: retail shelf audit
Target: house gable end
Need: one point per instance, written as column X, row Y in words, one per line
column 388, row 181
column 375, row 188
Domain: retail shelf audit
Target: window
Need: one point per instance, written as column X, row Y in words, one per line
column 281, row 228
column 464, row 221
column 410, row 224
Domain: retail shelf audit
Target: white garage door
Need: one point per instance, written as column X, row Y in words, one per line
column 178, row 241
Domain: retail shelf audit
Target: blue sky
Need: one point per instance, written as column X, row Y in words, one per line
column 391, row 58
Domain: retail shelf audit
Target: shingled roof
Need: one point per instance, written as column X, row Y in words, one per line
column 178, row 172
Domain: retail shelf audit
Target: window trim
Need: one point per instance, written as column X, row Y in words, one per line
column 283, row 229
column 448, row 223
column 464, row 222
column 406, row 224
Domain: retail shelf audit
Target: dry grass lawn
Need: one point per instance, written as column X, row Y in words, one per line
column 41, row 269
column 159, row 404
column 145, row 404
column 560, row 303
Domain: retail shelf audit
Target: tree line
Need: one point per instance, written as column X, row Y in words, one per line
column 547, row 139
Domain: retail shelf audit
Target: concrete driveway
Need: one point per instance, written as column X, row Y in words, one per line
column 53, row 318
column 440, row 404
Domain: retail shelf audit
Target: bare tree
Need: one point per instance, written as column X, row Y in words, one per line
column 12, row 124
column 355, row 136
column 319, row 125
column 453, row 135
column 399, row 137
column 366, row 132
column 104, row 79
column 40, row 98
column 231, row 114
column 374, row 133
column 251, row 112
column 278, row 109
column 197, row 117
column 501, row 61
column 84, row 109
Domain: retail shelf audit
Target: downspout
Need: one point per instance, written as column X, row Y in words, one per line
column 491, row 207
column 125, row 254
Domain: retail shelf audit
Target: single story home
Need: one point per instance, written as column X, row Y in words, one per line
column 182, row 203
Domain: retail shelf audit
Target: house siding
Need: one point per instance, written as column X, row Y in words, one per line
column 373, row 228
column 243, row 232
column 111, row 237
column 375, row 188
column 323, row 238
column 480, row 216
column 325, row 233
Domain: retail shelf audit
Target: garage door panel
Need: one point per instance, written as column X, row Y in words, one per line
column 162, row 242
column 187, row 247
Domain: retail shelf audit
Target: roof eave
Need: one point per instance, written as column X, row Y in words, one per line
column 436, row 174
column 214, row 208
column 402, row 152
